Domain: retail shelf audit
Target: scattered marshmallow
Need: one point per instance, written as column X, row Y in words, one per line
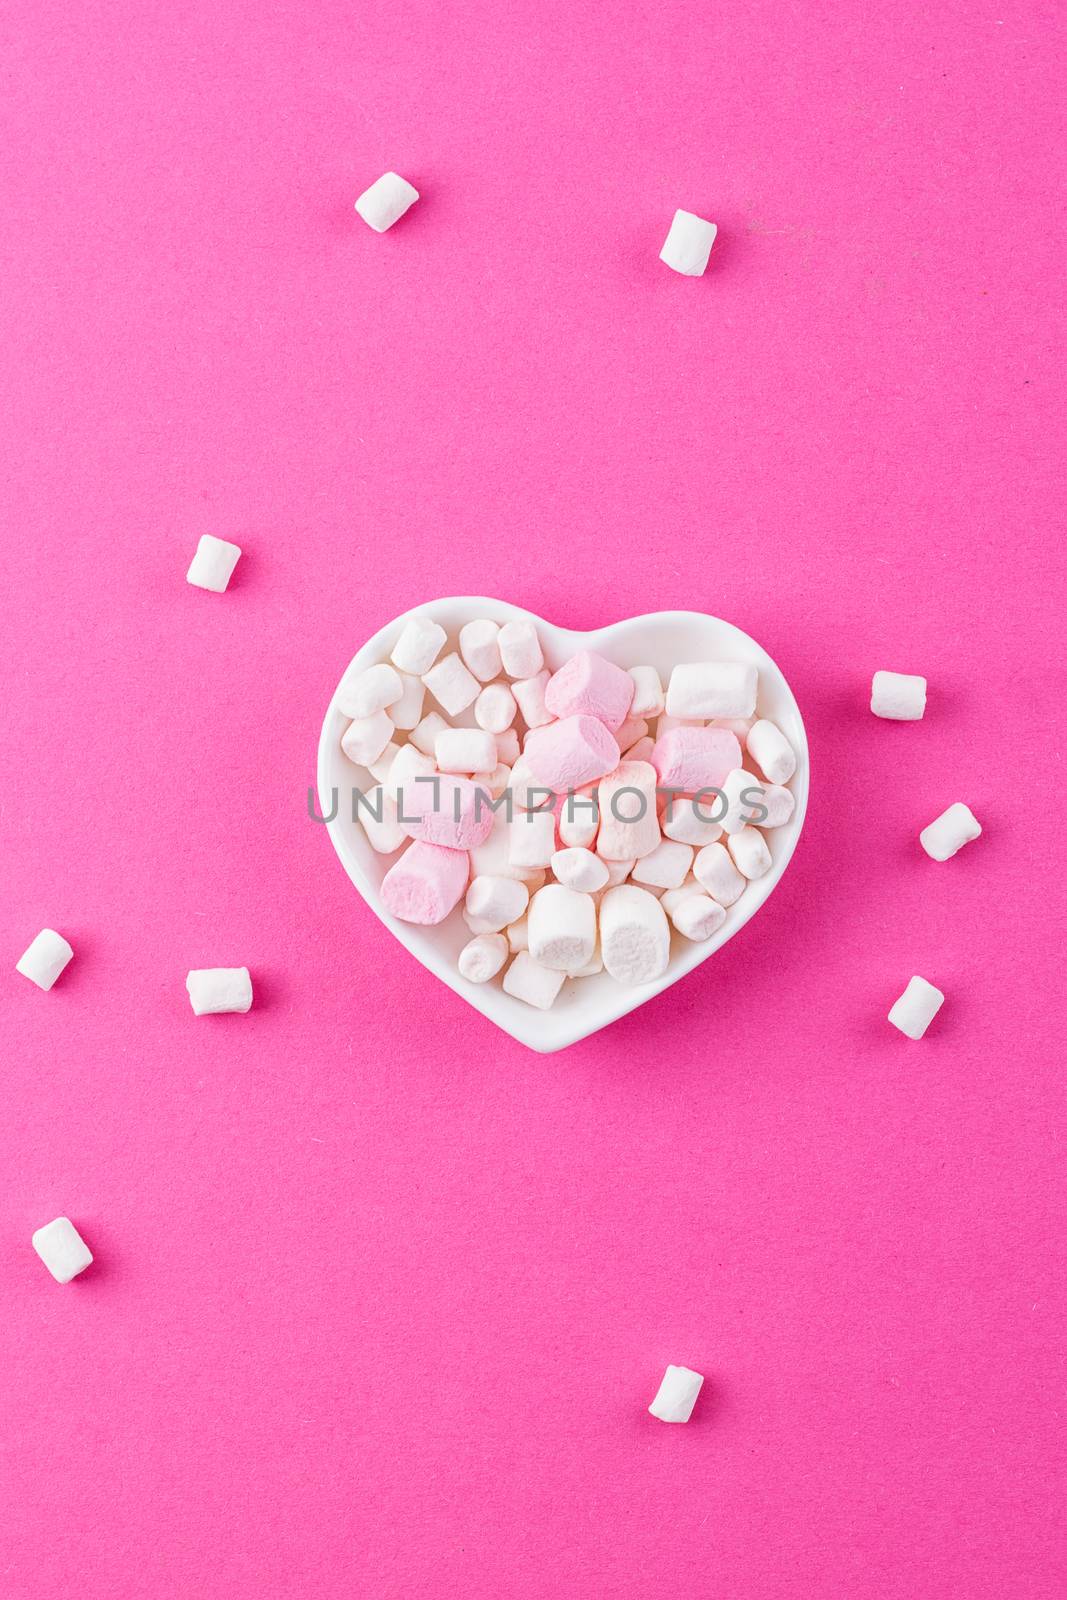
column 418, row 646
column 526, row 979
column 495, row 709
column 464, row 750
column 533, row 839
column 426, row 883
column 45, row 958
column 483, row 957
column 570, row 753
column 687, row 821
column 580, row 869
column 217, row 989
column 635, row 937
column 62, row 1249
column 748, row 849
column 562, row 928
column 479, row 648
column 771, row 751
column 530, row 696
column 452, row 686
column 897, row 696
column 371, row 689
column 588, row 685
column 212, row 566
column 492, row 903
column 376, row 813
column 712, row 689
column 950, row 832
column 386, row 201
column 688, row 244
column 648, row 692
column 406, row 713
column 492, row 858
column 742, row 801
column 676, row 1395
column 665, row 867
column 424, row 735
column 381, row 769
column 520, row 650
column 916, row 1008
column 408, row 765
column 618, row 872
column 715, row 872
column 696, row 916
column 579, row 819
column 364, row 740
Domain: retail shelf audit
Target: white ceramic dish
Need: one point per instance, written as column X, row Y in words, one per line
column 661, row 639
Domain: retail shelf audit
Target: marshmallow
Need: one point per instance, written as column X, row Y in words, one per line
column 712, row 689
column 588, row 685
column 562, row 928
column 696, row 916
column 771, row 750
column 688, row 244
column 518, row 935
column 407, row 765
column 364, row 740
column 62, row 1249
column 386, row 201
column 406, row 712
column 671, row 899
column 916, row 1008
column 492, row 903
column 716, row 873
column 45, row 958
column 445, row 810
column 371, row 689
column 479, row 648
column 483, row 957
column 676, row 1395
column 629, row 825
column 618, row 872
column 507, row 743
column 648, row 692
column 464, row 750
column 635, row 938
column 419, row 645
column 749, row 850
column 631, row 731
column 452, row 686
column 743, row 801
column 495, row 709
column 579, row 819
column 666, row 724
column 376, row 813
column 217, row 989
column 950, row 832
column 533, row 839
column 520, row 649
column 692, row 759
column 492, row 858
column 426, row 883
column 526, row 979
column 495, row 780
column 381, row 769
column 424, row 735
column 530, row 695
column 526, row 793
column 665, row 867
column 686, row 820
column 740, row 727
column 898, row 696
column 580, row 869
column 567, row 754
column 212, row 566
column 641, row 750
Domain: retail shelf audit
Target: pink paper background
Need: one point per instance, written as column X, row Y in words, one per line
column 381, row 1297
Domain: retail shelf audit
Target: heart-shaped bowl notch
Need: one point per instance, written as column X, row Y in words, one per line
column 661, row 639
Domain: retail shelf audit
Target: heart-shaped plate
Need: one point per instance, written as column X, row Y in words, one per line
column 661, row 639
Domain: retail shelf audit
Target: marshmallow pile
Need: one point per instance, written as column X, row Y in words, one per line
column 576, row 820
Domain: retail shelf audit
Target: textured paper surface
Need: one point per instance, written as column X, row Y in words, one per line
column 380, row 1298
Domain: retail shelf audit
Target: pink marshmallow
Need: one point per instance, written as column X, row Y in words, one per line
column 426, row 883
column 690, row 759
column 575, row 751
column 590, row 686
column 446, row 811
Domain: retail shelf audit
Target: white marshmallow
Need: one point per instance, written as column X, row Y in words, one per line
column 216, row 989
column 424, row 735
column 464, row 750
column 451, row 685
column 45, row 958
column 366, row 691
column 716, row 873
column 479, row 649
column 712, row 689
column 518, row 934
column 380, row 769
column 409, row 765
column 483, row 957
column 376, row 813
column 635, row 938
column 386, row 201
column 212, row 566
column 492, row 903
column 562, row 928
column 507, row 745
column 740, row 727
column 618, row 872
column 594, row 965
column 533, row 839
column 697, row 916
column 688, row 244
column 530, row 695
column 493, row 858
column 495, row 708
column 579, row 819
column 526, row 979
column 682, row 821
column 950, row 832
column 916, row 1008
column 897, row 696
column 520, row 649
column 676, row 1395
column 749, row 850
column 527, row 794
column 665, row 867
column 418, row 646
column 648, row 692
column 743, row 794
column 629, row 823
column 671, row 899
column 495, row 780
column 406, row 712
column 580, row 869
column 62, row 1249
column 771, row 751
column 363, row 741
